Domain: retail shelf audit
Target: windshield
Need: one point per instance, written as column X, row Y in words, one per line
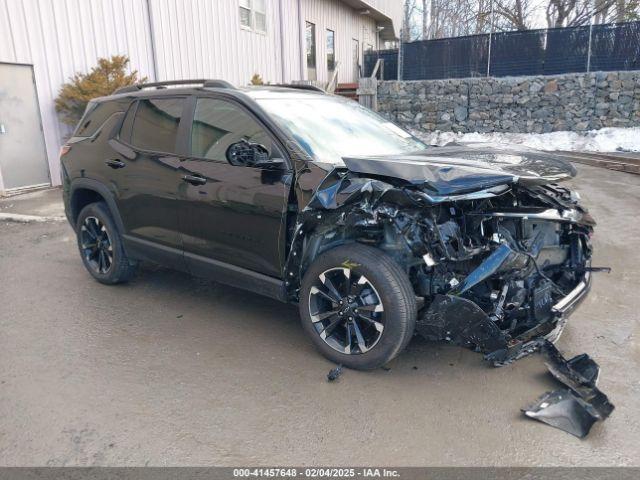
column 330, row 128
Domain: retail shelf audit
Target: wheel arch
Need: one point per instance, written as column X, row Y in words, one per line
column 316, row 235
column 85, row 191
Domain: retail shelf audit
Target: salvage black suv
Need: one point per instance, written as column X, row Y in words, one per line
column 312, row 199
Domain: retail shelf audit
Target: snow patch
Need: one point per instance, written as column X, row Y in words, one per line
column 603, row 140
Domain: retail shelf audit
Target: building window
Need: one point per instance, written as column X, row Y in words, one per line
column 260, row 15
column 331, row 51
column 311, row 50
column 245, row 13
column 253, row 14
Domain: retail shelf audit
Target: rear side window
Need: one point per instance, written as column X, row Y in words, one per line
column 155, row 126
column 95, row 116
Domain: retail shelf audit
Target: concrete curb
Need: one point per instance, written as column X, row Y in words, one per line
column 19, row 218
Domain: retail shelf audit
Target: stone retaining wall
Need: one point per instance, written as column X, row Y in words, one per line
column 575, row 102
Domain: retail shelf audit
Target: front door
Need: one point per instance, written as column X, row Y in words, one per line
column 232, row 213
column 23, row 158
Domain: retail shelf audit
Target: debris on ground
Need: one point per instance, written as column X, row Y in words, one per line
column 577, row 408
column 334, row 373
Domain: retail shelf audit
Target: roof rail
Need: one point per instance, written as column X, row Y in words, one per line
column 299, row 86
column 205, row 83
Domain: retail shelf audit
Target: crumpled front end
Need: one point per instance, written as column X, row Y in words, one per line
column 495, row 270
column 506, row 271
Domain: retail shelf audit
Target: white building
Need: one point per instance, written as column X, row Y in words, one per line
column 44, row 42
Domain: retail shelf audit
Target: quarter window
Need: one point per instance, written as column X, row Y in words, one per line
column 218, row 124
column 156, row 123
column 96, row 115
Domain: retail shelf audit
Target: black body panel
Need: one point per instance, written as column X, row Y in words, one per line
column 452, row 170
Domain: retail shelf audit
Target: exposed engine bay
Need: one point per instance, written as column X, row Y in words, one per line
column 496, row 270
column 505, row 258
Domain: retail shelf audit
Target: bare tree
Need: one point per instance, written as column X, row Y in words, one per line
column 483, row 18
column 452, row 18
column 409, row 32
column 430, row 19
column 425, row 19
column 619, row 11
column 571, row 13
column 516, row 14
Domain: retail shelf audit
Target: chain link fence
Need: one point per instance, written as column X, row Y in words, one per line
column 608, row 47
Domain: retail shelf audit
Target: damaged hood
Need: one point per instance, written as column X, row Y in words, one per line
column 457, row 169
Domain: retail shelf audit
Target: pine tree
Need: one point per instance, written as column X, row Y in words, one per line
column 109, row 75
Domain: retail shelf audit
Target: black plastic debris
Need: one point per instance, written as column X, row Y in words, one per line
column 334, row 373
column 563, row 410
column 461, row 322
column 578, row 407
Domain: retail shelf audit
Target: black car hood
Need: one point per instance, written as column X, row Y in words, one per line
column 457, row 169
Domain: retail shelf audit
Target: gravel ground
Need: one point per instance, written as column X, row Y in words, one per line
column 173, row 370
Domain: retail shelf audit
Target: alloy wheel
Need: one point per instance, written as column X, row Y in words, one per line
column 346, row 311
column 96, row 245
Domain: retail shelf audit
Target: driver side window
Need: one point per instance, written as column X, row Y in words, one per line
column 218, row 124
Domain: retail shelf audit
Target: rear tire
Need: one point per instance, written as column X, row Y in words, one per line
column 101, row 247
column 377, row 316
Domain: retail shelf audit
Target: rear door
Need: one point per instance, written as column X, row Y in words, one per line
column 145, row 171
column 229, row 213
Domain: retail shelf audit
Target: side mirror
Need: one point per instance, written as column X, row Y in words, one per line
column 247, row 154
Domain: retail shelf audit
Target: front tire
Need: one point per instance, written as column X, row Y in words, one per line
column 101, row 247
column 358, row 306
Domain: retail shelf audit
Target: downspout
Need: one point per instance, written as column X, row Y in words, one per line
column 300, row 40
column 154, row 59
column 280, row 10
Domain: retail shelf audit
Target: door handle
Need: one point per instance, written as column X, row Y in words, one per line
column 115, row 164
column 194, row 179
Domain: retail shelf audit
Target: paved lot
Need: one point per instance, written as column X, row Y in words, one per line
column 172, row 370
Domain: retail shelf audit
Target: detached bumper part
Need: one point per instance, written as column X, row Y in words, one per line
column 563, row 410
column 462, row 322
column 578, row 407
